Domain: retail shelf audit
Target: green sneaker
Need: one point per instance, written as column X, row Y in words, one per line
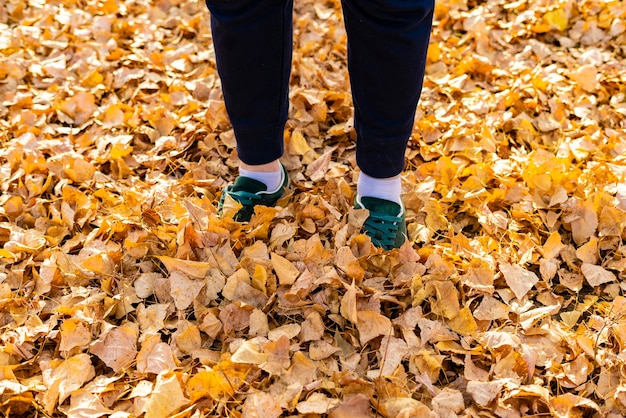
column 386, row 225
column 250, row 193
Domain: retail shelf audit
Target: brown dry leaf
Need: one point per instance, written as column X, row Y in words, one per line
column 187, row 336
column 355, row 406
column 249, row 352
column 183, row 289
column 371, row 325
column 118, row 348
column 85, row 404
column 596, row 275
column 405, row 408
column 316, row 403
column 155, row 356
column 519, row 279
column 79, row 107
column 113, row 156
column 448, row 402
column 392, row 352
column 484, row 392
column 261, row 405
column 312, row 327
column 583, row 219
column 490, row 309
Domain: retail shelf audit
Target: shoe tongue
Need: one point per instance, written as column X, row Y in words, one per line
column 383, row 206
column 249, row 185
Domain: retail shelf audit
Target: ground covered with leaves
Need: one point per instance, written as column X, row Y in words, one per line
column 122, row 294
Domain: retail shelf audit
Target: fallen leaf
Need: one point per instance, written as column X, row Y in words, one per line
column 596, row 275
column 371, row 325
column 285, row 270
column 518, row 278
column 118, row 348
column 166, row 397
column 261, row 405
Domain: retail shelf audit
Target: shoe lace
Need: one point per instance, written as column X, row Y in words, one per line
column 382, row 229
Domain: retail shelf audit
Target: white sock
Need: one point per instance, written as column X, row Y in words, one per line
column 388, row 188
column 272, row 179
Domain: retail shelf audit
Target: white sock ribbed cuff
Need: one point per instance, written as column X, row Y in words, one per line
column 272, row 179
column 387, row 188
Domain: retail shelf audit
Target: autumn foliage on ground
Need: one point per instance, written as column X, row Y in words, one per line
column 122, row 294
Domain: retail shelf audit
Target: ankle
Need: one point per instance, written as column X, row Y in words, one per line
column 270, row 167
column 272, row 179
column 386, row 188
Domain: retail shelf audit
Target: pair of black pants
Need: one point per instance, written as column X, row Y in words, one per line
column 387, row 44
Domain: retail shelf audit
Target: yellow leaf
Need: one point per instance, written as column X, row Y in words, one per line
column 562, row 406
column 166, row 397
column 187, row 336
column 463, row 323
column 285, row 270
column 113, row 116
column 588, row 253
column 349, row 264
column 552, row 246
column 64, row 377
column 298, row 144
column 259, row 278
column 348, row 304
column 557, row 19
column 447, row 303
column 194, row 269
column 79, row 170
column 98, row 263
column 222, row 381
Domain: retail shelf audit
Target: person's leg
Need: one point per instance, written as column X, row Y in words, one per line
column 387, row 45
column 253, row 45
column 253, row 48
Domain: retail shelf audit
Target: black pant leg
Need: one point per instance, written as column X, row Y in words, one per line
column 387, row 45
column 253, row 48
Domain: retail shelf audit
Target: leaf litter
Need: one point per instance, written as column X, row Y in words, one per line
column 123, row 294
